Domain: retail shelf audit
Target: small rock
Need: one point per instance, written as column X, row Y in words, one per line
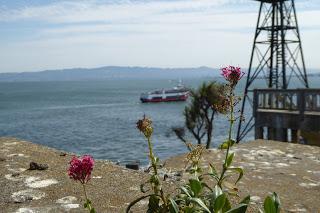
column 35, row 182
column 133, row 166
column 27, row 195
column 36, row 166
column 15, row 174
column 22, row 199
column 165, row 176
column 67, row 200
column 17, row 178
column 38, row 209
column 134, row 188
column 178, row 174
column 62, row 154
column 71, row 206
column 255, row 198
column 16, row 170
column 24, row 210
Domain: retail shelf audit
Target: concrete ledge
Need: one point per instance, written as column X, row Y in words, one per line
column 51, row 190
column 291, row 170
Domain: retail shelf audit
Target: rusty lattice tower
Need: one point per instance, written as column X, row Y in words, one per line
column 276, row 55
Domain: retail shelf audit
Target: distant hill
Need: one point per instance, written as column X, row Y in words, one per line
column 108, row 72
column 113, row 72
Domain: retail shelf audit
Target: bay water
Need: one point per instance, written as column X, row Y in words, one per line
column 99, row 117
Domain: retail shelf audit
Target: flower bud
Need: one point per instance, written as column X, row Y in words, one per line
column 145, row 126
column 232, row 74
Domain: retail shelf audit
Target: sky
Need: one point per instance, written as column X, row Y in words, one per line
column 38, row 35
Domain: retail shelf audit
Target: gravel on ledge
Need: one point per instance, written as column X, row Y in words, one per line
column 291, row 170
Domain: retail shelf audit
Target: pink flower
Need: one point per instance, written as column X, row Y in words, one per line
column 80, row 168
column 232, row 74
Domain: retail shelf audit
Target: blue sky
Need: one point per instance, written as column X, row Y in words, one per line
column 41, row 34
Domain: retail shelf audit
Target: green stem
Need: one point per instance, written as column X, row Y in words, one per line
column 154, row 166
column 85, row 194
column 224, row 169
column 153, row 163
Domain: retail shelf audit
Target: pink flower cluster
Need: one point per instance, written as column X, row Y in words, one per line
column 232, row 74
column 80, row 168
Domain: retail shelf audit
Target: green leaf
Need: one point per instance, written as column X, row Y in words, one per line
column 227, row 143
column 227, row 205
column 219, row 202
column 92, row 210
column 153, row 205
column 272, row 204
column 188, row 210
column 154, row 179
column 276, row 201
column 174, row 206
column 212, row 170
column 238, row 170
column 229, row 159
column 241, row 208
column 217, row 192
column 200, row 203
column 207, row 186
column 232, row 188
column 224, row 145
column 232, row 142
column 185, row 190
column 269, row 205
column 195, row 186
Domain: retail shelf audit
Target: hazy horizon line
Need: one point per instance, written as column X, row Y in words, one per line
column 108, row 66
column 128, row 66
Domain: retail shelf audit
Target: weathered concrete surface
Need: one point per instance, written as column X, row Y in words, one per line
column 291, row 170
column 111, row 188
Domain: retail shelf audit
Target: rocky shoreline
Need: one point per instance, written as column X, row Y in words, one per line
column 291, row 170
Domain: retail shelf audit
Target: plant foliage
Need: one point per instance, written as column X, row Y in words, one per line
column 197, row 196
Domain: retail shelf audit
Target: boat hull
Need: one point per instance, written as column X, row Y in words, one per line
column 167, row 99
column 178, row 93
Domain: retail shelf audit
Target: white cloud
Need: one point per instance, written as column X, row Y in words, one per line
column 165, row 51
column 90, row 11
column 147, row 33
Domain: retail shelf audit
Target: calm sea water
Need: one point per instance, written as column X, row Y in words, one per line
column 98, row 117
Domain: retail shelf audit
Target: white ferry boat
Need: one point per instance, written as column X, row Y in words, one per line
column 178, row 93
